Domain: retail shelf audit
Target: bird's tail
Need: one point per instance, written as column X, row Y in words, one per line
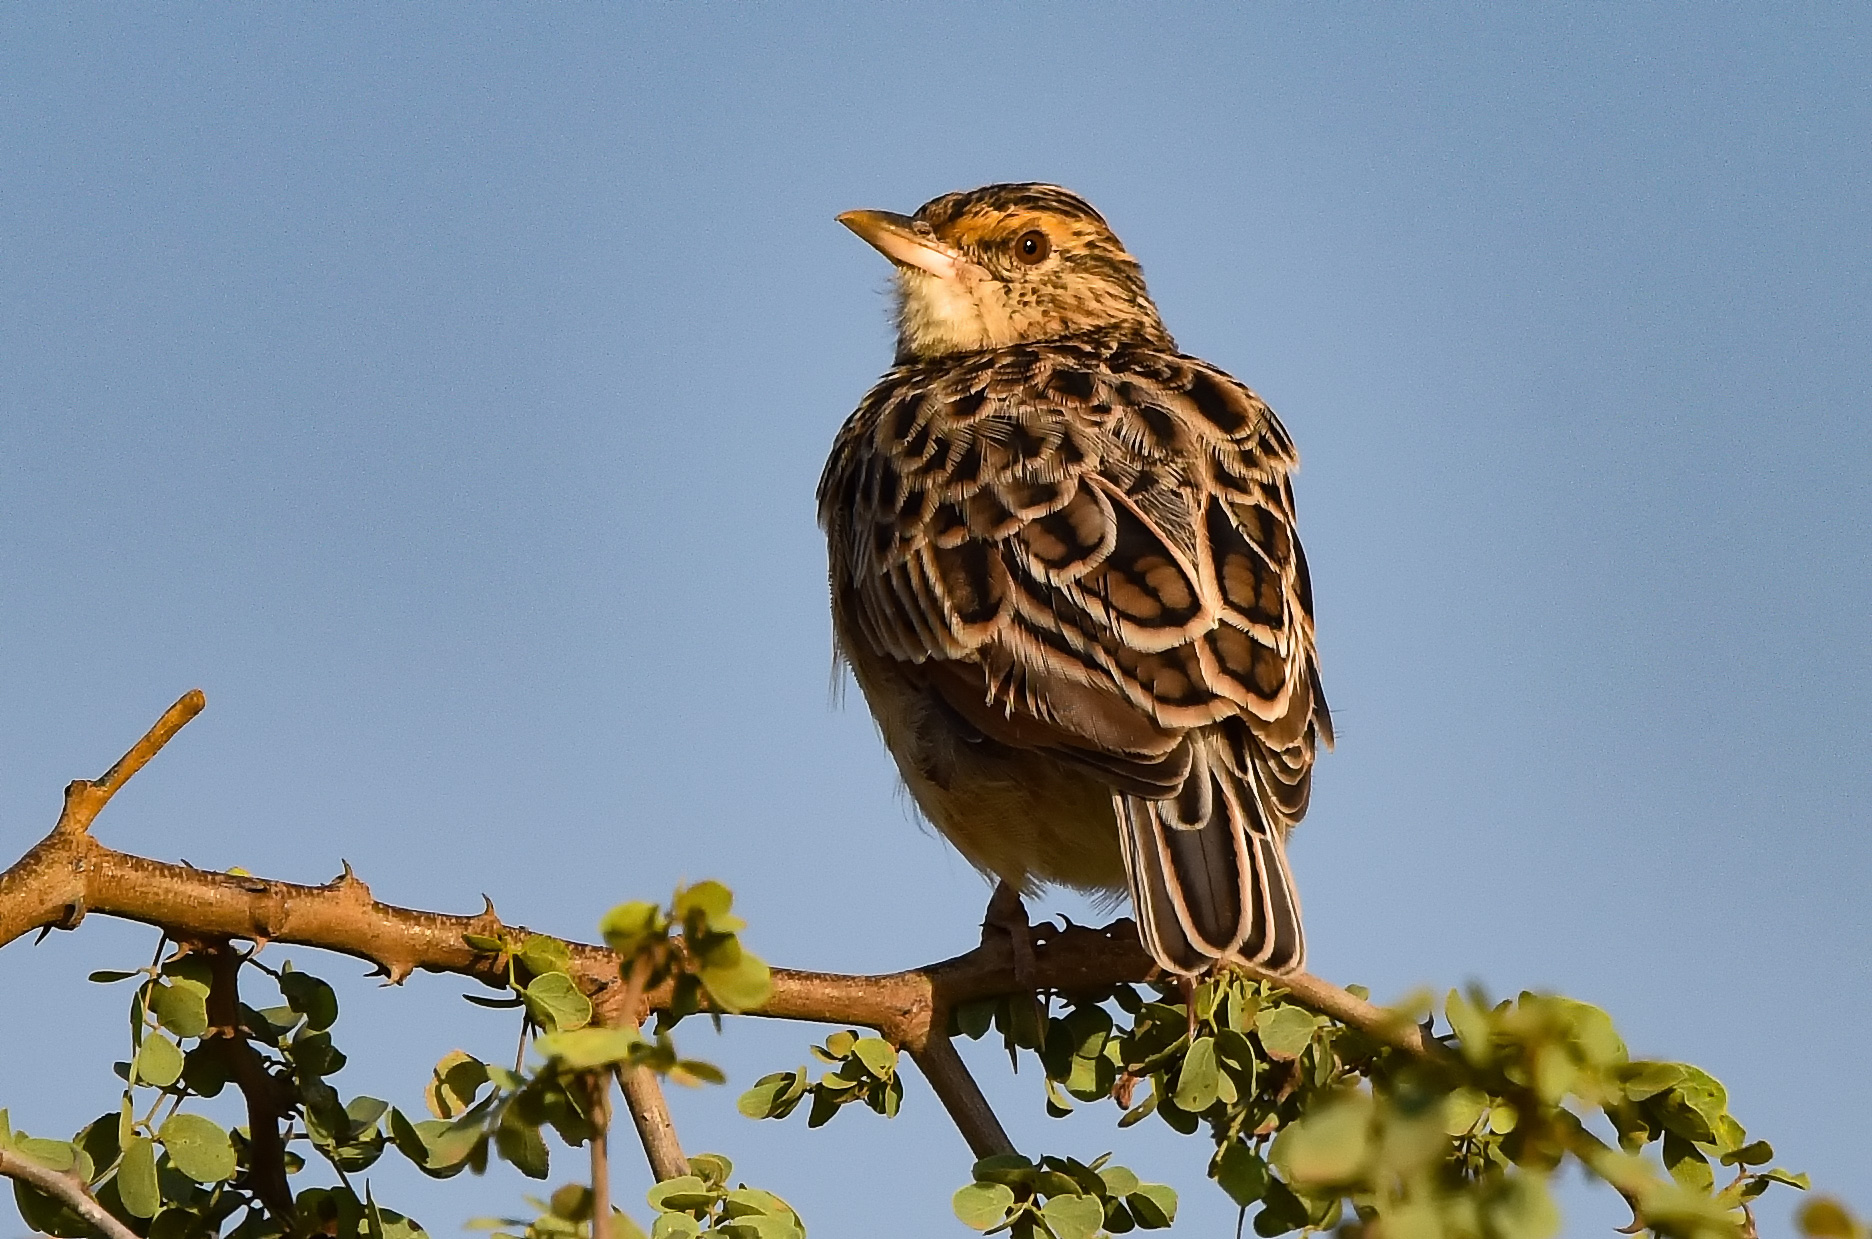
column 1209, row 875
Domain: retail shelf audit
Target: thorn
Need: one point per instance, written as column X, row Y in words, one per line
column 348, row 883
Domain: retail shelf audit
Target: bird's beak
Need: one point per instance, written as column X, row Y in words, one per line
column 899, row 239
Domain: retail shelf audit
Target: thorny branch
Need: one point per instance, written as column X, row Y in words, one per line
column 69, row 873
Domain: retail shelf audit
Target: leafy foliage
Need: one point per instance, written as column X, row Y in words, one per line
column 1061, row 1197
column 1318, row 1125
column 865, row 1070
column 1313, row 1124
column 169, row 1172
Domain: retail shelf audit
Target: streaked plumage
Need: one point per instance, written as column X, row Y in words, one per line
column 1065, row 575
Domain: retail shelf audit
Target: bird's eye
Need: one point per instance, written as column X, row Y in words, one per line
column 1032, row 246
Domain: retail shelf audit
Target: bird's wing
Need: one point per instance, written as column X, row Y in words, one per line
column 1088, row 550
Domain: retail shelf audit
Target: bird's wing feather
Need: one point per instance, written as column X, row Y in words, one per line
column 1098, row 543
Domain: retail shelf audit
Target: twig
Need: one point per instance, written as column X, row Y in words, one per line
column 66, row 1189
column 266, row 1104
column 84, row 797
column 599, row 1083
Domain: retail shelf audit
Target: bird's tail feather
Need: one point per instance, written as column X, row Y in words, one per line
column 1209, row 877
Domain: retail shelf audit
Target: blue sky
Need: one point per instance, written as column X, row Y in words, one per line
column 443, row 388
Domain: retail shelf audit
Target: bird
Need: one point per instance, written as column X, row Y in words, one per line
column 1065, row 576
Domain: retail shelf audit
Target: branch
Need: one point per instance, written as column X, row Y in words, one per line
column 643, row 1095
column 622, row 1007
column 962, row 1098
column 69, row 873
column 266, row 1102
column 599, row 1084
column 65, row 1189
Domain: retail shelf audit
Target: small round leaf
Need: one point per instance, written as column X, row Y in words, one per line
column 982, row 1206
column 198, row 1147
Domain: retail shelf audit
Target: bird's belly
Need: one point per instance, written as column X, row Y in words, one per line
column 1028, row 819
column 1019, row 814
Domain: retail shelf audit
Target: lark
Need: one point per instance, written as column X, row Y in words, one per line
column 1065, row 576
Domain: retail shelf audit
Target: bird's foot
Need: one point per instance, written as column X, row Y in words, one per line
column 1008, row 915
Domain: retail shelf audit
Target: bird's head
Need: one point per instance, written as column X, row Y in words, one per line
column 1007, row 264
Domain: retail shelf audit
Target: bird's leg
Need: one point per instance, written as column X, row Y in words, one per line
column 1188, row 986
column 1008, row 915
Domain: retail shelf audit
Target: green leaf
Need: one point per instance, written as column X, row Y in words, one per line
column 1642, row 1080
column 52, row 1154
column 106, row 976
column 180, row 1007
column 198, row 1147
column 1329, row 1145
column 1154, row 1205
column 1118, row 1181
column 555, row 1003
column 157, row 1062
column 693, row 1071
column 630, row 927
column 981, row 1206
column 735, row 979
column 1471, row 1025
column 1461, row 1110
column 48, row 1216
column 1241, row 1173
column 1284, row 1211
column 585, row 1048
column 878, row 1056
column 1826, row 1218
column 709, row 902
column 543, row 954
column 1198, row 1078
column 689, row 1191
column 136, row 1179
column 773, row 1096
column 974, row 1019
column 675, row 1226
column 522, row 1145
column 712, row 1168
column 1073, row 1217
column 747, row 1201
column 205, row 1068
column 309, row 996
column 1522, row 1209
column 364, row 1112
column 1009, row 1168
column 453, row 1084
column 1284, row 1031
column 1687, row 1164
